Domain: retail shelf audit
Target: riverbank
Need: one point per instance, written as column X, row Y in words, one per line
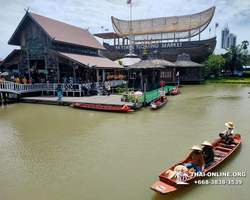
column 231, row 80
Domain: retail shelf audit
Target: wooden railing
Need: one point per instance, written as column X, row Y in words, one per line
column 11, row 87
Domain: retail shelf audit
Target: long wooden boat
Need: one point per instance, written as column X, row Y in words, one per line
column 175, row 92
column 222, row 152
column 157, row 103
column 102, row 108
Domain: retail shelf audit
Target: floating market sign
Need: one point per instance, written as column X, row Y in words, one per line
column 152, row 46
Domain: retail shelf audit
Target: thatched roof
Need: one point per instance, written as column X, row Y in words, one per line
column 184, row 60
column 152, row 64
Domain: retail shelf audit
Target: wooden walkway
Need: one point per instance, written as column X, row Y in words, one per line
column 112, row 100
column 150, row 96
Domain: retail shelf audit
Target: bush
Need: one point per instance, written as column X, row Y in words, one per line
column 246, row 74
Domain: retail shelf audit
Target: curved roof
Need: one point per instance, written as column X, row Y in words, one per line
column 178, row 27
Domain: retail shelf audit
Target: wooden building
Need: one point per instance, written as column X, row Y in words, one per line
column 189, row 71
column 53, row 49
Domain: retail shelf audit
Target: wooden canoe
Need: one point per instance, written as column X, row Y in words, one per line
column 102, row 108
column 175, row 92
column 157, row 103
column 166, row 185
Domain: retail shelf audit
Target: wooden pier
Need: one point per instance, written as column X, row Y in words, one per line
column 112, row 100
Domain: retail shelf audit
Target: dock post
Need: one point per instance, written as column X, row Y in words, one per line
column 145, row 89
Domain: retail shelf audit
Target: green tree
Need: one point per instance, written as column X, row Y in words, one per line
column 214, row 64
column 120, row 63
column 244, row 46
column 236, row 58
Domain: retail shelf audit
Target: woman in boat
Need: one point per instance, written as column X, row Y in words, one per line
column 197, row 160
column 162, row 94
column 208, row 152
column 228, row 134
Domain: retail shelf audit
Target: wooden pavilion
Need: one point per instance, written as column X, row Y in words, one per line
column 54, row 50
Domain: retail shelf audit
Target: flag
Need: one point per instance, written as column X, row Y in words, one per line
column 128, row 1
column 216, row 25
column 106, row 29
column 177, row 73
column 76, row 66
column 150, row 40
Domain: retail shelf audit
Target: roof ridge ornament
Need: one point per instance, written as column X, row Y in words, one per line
column 26, row 10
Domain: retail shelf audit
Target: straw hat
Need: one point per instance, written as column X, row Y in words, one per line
column 180, row 168
column 170, row 174
column 196, row 147
column 230, row 124
column 206, row 143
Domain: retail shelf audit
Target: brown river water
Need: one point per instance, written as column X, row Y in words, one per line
column 61, row 153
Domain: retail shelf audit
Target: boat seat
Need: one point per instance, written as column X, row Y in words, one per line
column 223, row 149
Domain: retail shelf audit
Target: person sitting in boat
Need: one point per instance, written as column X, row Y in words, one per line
column 162, row 94
column 197, row 159
column 208, row 152
column 125, row 107
column 228, row 134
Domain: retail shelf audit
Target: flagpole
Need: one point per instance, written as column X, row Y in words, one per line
column 215, row 30
column 130, row 30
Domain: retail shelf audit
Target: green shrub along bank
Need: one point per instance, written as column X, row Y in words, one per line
column 237, row 80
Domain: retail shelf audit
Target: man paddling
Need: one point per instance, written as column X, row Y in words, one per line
column 196, row 158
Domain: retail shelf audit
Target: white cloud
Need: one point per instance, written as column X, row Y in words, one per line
column 97, row 13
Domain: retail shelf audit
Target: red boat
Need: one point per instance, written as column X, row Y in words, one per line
column 157, row 103
column 102, row 108
column 222, row 151
column 175, row 91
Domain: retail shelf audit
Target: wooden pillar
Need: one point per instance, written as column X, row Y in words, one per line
column 18, row 68
column 28, row 58
column 103, row 75
column 97, row 76
column 153, row 75
column 58, row 69
column 45, row 61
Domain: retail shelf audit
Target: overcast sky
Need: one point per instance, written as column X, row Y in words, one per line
column 94, row 14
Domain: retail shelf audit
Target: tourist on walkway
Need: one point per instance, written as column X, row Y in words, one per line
column 24, row 80
column 108, row 88
column 17, row 80
column 161, row 83
column 85, row 90
column 59, row 92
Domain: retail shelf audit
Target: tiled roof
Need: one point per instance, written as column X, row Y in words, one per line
column 92, row 61
column 66, row 33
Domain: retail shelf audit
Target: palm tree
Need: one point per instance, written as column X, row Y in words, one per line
column 235, row 58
